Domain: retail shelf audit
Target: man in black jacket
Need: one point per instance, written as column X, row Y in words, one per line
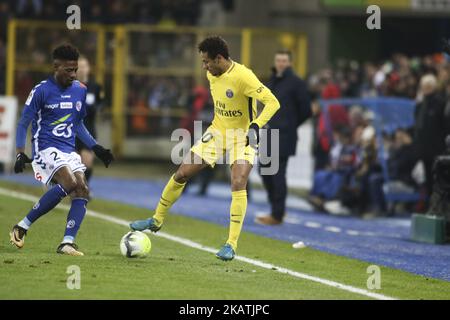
column 430, row 127
column 291, row 92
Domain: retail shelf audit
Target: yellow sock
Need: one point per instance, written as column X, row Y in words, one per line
column 170, row 194
column 237, row 215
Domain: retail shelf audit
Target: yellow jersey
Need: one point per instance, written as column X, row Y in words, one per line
column 234, row 94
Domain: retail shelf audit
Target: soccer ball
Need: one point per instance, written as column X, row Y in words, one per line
column 135, row 244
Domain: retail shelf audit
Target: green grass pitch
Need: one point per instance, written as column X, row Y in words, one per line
column 173, row 270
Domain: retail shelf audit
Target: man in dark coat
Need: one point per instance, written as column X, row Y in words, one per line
column 291, row 92
column 430, row 127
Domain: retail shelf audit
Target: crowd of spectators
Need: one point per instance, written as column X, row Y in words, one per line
column 345, row 149
column 398, row 76
column 347, row 166
column 181, row 12
column 152, row 101
column 155, row 12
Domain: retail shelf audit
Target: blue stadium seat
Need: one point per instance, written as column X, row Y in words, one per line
column 390, row 114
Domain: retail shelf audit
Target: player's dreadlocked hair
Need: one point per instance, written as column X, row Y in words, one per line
column 66, row 52
column 213, row 46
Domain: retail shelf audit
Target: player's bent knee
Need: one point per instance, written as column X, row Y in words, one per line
column 82, row 191
column 70, row 185
column 238, row 183
column 181, row 176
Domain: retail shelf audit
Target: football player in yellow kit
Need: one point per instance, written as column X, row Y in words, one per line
column 234, row 133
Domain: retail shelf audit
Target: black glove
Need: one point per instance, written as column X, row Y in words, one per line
column 253, row 135
column 21, row 160
column 103, row 154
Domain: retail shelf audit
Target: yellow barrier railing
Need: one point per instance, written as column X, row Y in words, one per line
column 10, row 57
column 252, row 47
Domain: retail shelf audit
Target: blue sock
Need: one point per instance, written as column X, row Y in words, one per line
column 74, row 219
column 48, row 201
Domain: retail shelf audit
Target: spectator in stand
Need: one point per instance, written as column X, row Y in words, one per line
column 5, row 15
column 363, row 193
column 29, row 8
column 430, row 126
column 198, row 101
column 337, row 116
column 369, row 177
column 328, row 183
column 401, row 162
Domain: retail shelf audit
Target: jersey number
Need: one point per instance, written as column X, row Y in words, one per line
column 41, row 163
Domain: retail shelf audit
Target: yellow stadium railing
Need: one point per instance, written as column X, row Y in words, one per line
column 114, row 58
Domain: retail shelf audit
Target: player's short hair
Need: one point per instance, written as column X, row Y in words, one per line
column 213, row 46
column 66, row 52
column 286, row 52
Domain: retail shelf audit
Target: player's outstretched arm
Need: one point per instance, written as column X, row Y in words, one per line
column 29, row 112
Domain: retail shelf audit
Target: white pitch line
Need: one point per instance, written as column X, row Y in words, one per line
column 311, row 224
column 192, row 244
column 333, row 229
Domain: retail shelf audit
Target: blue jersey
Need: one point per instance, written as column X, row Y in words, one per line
column 57, row 116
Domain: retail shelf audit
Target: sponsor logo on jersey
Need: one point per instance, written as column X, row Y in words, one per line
column 66, row 105
column 229, row 113
column 63, row 130
column 61, row 120
column 51, row 106
column 220, row 110
column 229, row 93
column 78, row 106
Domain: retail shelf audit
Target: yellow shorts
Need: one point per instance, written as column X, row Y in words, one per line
column 214, row 148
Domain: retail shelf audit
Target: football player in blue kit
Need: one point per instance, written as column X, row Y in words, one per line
column 56, row 108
